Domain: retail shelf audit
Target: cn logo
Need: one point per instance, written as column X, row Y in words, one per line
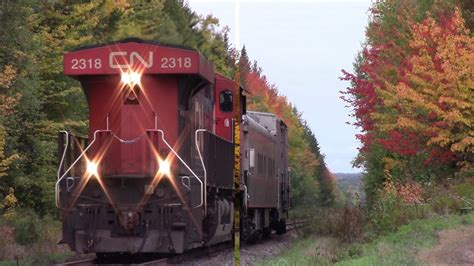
column 115, row 57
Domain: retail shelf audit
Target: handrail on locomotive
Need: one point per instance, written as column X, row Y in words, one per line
column 202, row 186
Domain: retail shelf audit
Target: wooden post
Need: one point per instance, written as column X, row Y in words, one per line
column 237, row 194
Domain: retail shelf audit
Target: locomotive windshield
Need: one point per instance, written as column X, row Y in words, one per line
column 225, row 101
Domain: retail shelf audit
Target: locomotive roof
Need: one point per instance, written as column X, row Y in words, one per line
column 151, row 57
column 136, row 40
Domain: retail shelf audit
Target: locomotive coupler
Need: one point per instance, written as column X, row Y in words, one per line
column 128, row 220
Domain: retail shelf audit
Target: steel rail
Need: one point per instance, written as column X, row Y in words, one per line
column 82, row 262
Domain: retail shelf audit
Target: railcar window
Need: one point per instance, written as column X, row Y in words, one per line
column 225, row 101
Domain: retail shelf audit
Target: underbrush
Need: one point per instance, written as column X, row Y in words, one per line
column 398, row 205
column 308, row 251
column 30, row 239
column 346, row 224
column 401, row 247
column 390, row 231
column 397, row 248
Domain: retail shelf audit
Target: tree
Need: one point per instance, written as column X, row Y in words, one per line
column 6, row 105
column 433, row 100
column 244, row 67
column 18, row 102
column 411, row 93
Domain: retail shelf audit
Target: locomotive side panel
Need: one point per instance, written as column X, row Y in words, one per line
column 224, row 113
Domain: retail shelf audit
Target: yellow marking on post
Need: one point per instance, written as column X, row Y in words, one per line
column 237, row 118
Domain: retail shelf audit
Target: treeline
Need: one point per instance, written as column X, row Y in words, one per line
column 311, row 181
column 412, row 94
column 37, row 100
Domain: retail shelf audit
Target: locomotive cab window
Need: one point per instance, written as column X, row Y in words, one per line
column 225, row 101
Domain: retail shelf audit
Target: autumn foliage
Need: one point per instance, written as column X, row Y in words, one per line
column 412, row 93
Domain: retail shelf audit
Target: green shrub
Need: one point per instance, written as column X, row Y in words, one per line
column 26, row 231
column 346, row 224
column 451, row 197
column 389, row 212
column 31, row 238
column 355, row 250
column 402, row 246
column 445, row 204
column 465, row 191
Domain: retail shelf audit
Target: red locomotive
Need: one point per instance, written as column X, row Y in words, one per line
column 156, row 171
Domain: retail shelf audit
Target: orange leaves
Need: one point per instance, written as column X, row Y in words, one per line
column 264, row 97
column 412, row 92
column 441, row 82
column 408, row 192
column 7, row 76
column 433, row 95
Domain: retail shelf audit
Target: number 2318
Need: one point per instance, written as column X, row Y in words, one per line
column 172, row 62
column 86, row 63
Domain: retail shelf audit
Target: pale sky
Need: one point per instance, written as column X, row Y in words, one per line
column 302, row 47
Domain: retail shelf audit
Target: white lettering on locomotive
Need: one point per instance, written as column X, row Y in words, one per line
column 131, row 59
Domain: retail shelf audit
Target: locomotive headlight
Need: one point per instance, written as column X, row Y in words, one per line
column 135, row 78
column 131, row 78
column 92, row 169
column 164, row 167
column 126, row 78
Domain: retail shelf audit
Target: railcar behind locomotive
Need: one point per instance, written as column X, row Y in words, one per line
column 155, row 173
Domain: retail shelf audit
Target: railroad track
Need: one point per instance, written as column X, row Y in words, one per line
column 140, row 260
column 198, row 253
column 93, row 261
column 77, row 262
column 293, row 225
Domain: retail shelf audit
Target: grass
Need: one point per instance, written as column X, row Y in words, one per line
column 30, row 239
column 43, row 259
column 401, row 247
column 307, row 251
column 397, row 248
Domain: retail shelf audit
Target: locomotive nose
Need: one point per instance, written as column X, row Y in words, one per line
column 128, row 220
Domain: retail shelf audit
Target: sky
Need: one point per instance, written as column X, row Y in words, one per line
column 302, row 46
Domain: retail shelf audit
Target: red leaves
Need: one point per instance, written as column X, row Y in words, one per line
column 412, row 87
column 439, row 156
column 401, row 142
column 277, row 104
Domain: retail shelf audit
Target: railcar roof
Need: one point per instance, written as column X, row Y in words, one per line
column 257, row 115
